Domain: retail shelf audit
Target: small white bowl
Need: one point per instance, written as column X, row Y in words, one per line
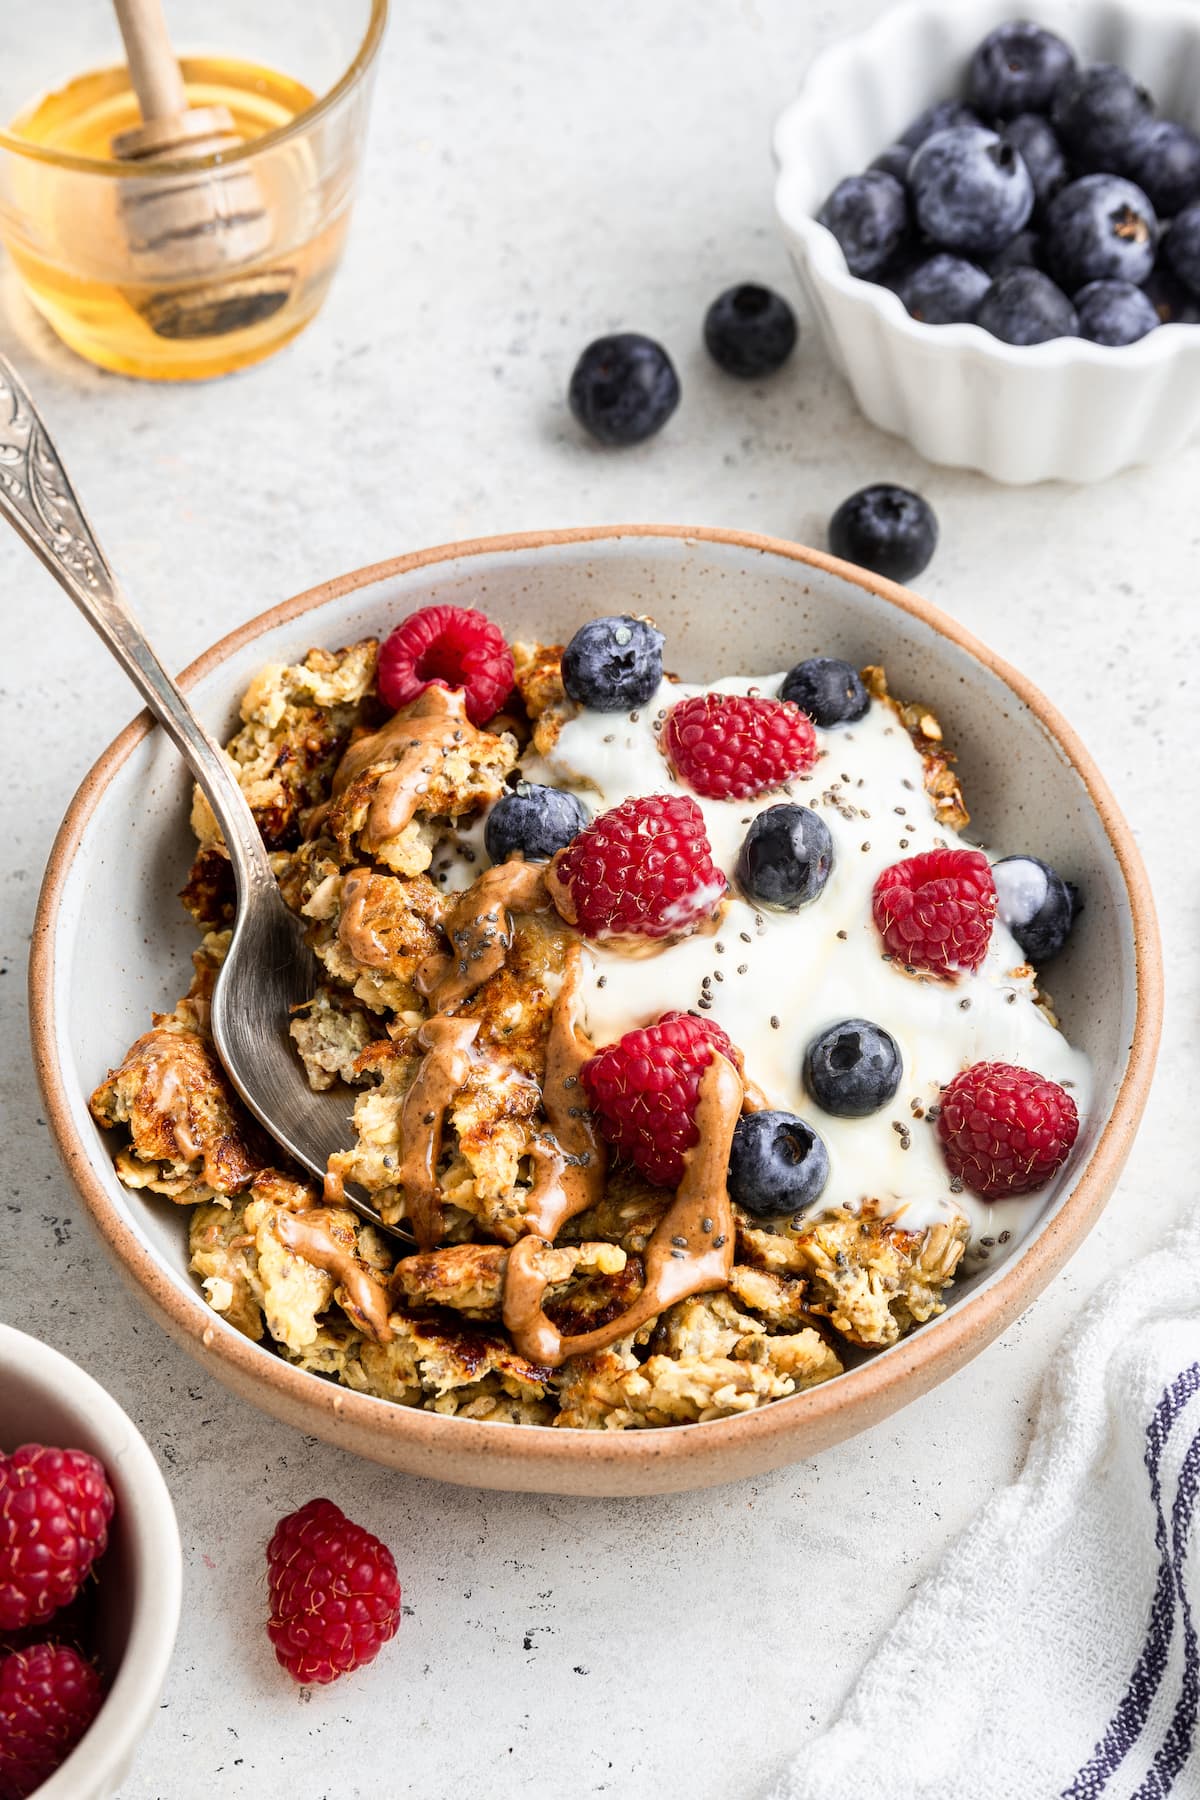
column 1067, row 409
column 45, row 1399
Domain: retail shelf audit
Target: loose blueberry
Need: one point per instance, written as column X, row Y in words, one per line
column 613, row 664
column 887, row 529
column 1021, row 252
column 1100, row 228
column 1023, row 306
column 1182, row 247
column 868, row 215
column 1033, row 137
column 894, row 161
column 623, row 388
column 1114, row 312
column 1165, row 163
column 829, row 690
column 1174, row 304
column 944, row 289
column 777, row 1165
column 1036, row 904
column 1098, row 112
column 1017, row 69
column 971, row 191
column 944, row 115
column 750, row 331
column 853, row 1069
column 534, row 821
column 785, row 858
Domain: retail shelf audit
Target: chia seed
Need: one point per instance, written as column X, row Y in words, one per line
column 718, row 1241
column 745, row 937
column 956, row 1184
column 842, row 935
column 717, row 975
column 601, row 981
column 865, row 846
column 682, row 1242
column 742, row 967
column 1004, row 1236
column 706, row 1224
column 774, row 1022
column 964, row 1006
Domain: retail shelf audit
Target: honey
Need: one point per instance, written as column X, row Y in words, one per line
column 67, row 228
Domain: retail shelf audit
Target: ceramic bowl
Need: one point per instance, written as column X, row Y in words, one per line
column 44, row 1398
column 112, row 944
column 1068, row 409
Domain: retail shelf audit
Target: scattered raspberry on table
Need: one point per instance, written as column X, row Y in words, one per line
column 335, row 1594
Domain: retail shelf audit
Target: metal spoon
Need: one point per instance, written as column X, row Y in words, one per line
column 269, row 969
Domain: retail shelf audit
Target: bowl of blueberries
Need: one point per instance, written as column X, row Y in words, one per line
column 996, row 224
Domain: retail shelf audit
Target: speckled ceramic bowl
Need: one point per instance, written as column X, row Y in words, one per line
column 112, row 944
column 45, row 1399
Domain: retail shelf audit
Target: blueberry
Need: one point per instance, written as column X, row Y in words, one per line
column 1100, row 228
column 1036, row 904
column 868, row 215
column 1182, row 247
column 944, row 289
column 828, row 690
column 944, row 115
column 1017, row 68
column 1021, row 252
column 853, row 1068
column 1114, row 312
column 749, row 330
column 1165, row 163
column 1174, row 304
column 777, row 1165
column 894, row 160
column 534, row 820
column 887, row 529
column 623, row 388
column 971, row 191
column 1033, row 137
column 1023, row 306
column 613, row 664
column 1098, row 112
column 785, row 858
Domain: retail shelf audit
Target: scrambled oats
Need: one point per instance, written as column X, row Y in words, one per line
column 328, row 779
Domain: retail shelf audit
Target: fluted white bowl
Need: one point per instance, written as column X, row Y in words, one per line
column 1067, row 409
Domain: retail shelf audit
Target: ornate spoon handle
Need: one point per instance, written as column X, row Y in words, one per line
column 37, row 499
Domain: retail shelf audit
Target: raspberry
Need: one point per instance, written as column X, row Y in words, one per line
column 1005, row 1130
column 644, row 869
column 644, row 1089
column 335, row 1596
column 935, row 910
column 454, row 646
column 55, row 1507
column 734, row 746
column 49, row 1695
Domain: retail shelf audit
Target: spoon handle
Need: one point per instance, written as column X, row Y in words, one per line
column 37, row 499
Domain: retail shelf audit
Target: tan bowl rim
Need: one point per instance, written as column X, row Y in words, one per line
column 898, row 1374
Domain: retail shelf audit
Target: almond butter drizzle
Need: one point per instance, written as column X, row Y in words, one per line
column 570, row 1157
column 447, row 1062
column 310, row 1235
column 480, row 929
column 701, row 1216
column 412, row 741
column 363, row 943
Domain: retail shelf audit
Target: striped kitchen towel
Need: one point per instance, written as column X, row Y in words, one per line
column 1053, row 1653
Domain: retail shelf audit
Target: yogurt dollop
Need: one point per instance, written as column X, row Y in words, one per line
column 775, row 980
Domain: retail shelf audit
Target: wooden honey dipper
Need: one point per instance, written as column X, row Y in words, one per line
column 194, row 230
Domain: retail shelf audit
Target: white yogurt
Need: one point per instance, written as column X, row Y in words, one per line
column 777, row 979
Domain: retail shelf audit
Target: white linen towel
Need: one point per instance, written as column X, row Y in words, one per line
column 1053, row 1653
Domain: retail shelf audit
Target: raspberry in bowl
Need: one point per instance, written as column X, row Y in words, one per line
column 86, row 1631
column 569, row 1273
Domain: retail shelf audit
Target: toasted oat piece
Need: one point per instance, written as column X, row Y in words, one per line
column 296, row 723
column 869, row 1276
column 470, row 1277
column 780, row 1301
column 330, row 1034
column 253, row 1273
column 373, row 932
column 430, row 1356
column 628, row 1214
column 188, row 1137
column 539, row 682
column 394, row 813
column 597, row 1395
column 922, row 726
